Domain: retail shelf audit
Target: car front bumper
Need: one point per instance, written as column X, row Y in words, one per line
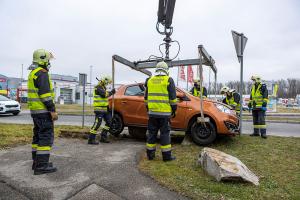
column 4, row 109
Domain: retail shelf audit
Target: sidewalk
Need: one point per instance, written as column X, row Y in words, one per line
column 107, row 171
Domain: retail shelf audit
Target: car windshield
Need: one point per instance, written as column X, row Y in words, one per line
column 3, row 98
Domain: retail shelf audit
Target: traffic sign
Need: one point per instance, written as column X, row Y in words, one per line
column 239, row 41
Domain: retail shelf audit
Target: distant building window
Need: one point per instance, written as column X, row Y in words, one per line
column 77, row 95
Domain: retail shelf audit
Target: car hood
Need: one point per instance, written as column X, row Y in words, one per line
column 12, row 102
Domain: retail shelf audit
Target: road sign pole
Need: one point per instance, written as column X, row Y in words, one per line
column 241, row 85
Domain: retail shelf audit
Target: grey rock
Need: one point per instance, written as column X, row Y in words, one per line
column 224, row 167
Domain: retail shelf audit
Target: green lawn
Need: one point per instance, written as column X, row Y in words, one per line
column 16, row 134
column 275, row 160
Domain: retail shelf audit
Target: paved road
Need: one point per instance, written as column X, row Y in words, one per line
column 279, row 129
column 107, row 171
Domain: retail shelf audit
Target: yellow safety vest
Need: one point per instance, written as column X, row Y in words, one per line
column 196, row 93
column 34, row 100
column 100, row 104
column 231, row 102
column 257, row 96
column 158, row 96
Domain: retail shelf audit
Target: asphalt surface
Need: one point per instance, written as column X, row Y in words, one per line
column 107, row 171
column 278, row 129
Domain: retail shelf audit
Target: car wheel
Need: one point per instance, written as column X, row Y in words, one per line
column 16, row 113
column 202, row 135
column 137, row 132
column 117, row 125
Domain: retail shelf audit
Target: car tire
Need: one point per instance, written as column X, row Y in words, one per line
column 16, row 113
column 117, row 125
column 201, row 135
column 137, row 132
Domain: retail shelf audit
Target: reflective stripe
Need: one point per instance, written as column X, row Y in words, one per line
column 93, row 131
column 46, row 99
column 159, row 113
column 38, row 111
column 151, row 146
column 32, row 91
column 100, row 100
column 158, row 101
column 34, row 146
column 105, row 128
column 33, row 99
column 260, row 126
column 158, row 94
column 43, row 148
column 42, row 152
column 165, row 148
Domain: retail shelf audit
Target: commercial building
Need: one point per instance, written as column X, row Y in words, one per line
column 66, row 88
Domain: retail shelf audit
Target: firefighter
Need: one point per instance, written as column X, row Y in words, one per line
column 160, row 100
column 42, row 109
column 101, row 111
column 258, row 103
column 232, row 98
column 195, row 91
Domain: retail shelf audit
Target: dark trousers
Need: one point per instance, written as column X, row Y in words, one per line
column 98, row 120
column 43, row 135
column 154, row 125
column 259, row 122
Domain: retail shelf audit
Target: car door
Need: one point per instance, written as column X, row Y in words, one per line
column 178, row 121
column 133, row 106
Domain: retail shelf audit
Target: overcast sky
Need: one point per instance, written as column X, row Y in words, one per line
column 81, row 33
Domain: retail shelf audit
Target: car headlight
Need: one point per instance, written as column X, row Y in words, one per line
column 223, row 108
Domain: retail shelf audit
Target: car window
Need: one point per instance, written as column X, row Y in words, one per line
column 134, row 90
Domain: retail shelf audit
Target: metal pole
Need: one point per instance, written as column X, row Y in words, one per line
column 216, row 86
column 91, row 68
column 177, row 75
column 208, row 91
column 83, row 100
column 241, row 84
column 21, row 89
column 187, row 79
column 113, row 86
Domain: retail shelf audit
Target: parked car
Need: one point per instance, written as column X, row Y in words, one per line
column 9, row 106
column 130, row 111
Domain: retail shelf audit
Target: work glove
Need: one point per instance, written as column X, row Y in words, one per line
column 173, row 114
column 264, row 104
column 113, row 91
column 54, row 116
column 249, row 105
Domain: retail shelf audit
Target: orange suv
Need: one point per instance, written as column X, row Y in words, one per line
column 130, row 111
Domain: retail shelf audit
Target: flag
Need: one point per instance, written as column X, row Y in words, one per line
column 182, row 74
column 190, row 74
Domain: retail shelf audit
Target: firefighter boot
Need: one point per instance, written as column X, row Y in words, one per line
column 43, row 165
column 34, row 161
column 167, row 156
column 103, row 137
column 150, row 154
column 263, row 133
column 92, row 139
column 255, row 132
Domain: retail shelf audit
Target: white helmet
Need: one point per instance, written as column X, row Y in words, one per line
column 256, row 78
column 224, row 90
column 232, row 90
column 162, row 67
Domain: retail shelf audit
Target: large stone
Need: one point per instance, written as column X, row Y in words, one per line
column 224, row 167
